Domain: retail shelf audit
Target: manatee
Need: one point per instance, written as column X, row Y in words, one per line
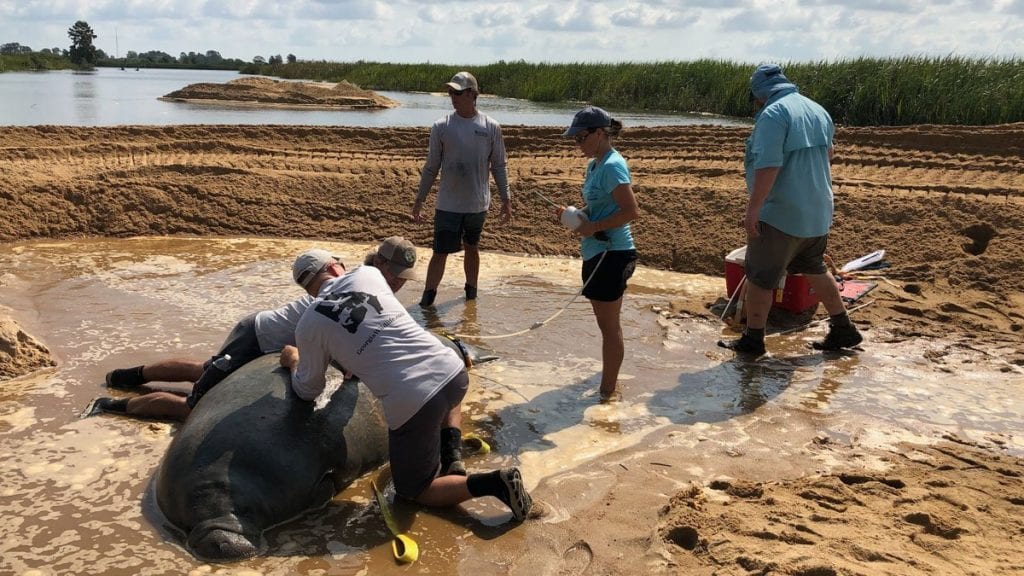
column 253, row 455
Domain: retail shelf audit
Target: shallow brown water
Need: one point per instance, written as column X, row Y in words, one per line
column 74, row 492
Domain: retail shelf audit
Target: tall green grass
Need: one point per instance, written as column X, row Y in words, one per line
column 858, row 92
column 32, row 61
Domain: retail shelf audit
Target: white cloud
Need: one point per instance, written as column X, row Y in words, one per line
column 558, row 18
column 531, row 30
column 642, row 16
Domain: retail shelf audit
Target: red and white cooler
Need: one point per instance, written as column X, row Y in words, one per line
column 793, row 294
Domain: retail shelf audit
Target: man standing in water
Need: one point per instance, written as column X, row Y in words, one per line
column 789, row 212
column 464, row 147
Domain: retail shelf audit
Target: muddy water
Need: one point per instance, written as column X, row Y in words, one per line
column 75, row 493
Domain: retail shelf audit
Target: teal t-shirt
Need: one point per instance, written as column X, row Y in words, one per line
column 603, row 176
column 795, row 133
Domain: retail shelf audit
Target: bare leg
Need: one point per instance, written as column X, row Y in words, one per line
column 445, row 491
column 160, row 405
column 759, row 301
column 174, row 370
column 612, row 346
column 435, row 270
column 826, row 289
column 454, row 417
column 472, row 264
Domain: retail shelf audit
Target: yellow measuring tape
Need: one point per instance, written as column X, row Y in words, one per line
column 403, row 547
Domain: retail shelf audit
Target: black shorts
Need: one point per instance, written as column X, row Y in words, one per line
column 453, row 229
column 608, row 284
column 773, row 253
column 414, row 448
column 241, row 344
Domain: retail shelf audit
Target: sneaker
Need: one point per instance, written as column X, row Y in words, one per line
column 745, row 344
column 105, row 404
column 839, row 337
column 428, row 298
column 125, row 378
column 453, row 468
column 470, row 292
column 516, row 497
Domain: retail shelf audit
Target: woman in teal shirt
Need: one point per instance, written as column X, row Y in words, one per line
column 609, row 255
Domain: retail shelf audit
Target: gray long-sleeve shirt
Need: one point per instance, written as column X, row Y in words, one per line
column 465, row 151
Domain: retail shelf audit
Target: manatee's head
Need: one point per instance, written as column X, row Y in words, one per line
column 224, row 539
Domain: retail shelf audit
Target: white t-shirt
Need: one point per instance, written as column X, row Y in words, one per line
column 275, row 329
column 358, row 322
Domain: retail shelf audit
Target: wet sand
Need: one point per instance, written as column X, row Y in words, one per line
column 946, row 203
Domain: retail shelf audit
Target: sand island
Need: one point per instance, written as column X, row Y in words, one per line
column 270, row 93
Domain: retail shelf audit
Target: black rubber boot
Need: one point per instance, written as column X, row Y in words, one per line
column 451, row 454
column 839, row 337
column 745, row 344
column 428, row 298
column 470, row 292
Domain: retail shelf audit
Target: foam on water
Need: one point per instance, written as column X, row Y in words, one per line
column 74, row 491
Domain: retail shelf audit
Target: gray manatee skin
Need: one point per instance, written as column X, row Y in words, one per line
column 253, row 455
column 469, row 354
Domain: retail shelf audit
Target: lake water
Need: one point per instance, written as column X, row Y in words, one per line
column 111, row 96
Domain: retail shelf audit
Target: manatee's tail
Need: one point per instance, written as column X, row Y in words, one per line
column 213, row 540
column 470, row 355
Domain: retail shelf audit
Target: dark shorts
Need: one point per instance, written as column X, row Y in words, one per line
column 453, row 229
column 774, row 253
column 414, row 449
column 241, row 344
column 609, row 282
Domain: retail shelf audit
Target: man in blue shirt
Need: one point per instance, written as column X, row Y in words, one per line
column 789, row 212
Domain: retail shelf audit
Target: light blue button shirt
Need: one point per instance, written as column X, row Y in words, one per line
column 795, row 133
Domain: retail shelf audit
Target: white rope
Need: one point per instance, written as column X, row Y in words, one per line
column 818, row 321
column 731, row 298
column 549, row 319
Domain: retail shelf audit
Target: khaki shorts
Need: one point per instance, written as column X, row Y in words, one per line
column 774, row 253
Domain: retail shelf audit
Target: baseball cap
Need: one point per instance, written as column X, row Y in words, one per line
column 586, row 119
column 401, row 257
column 463, row 81
column 309, row 263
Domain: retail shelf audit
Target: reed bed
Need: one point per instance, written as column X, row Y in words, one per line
column 32, row 61
column 857, row 92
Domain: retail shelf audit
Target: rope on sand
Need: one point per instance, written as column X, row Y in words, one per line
column 818, row 321
column 543, row 322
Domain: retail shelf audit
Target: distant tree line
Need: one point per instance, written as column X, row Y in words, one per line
column 83, row 54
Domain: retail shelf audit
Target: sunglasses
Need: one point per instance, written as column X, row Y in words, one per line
column 579, row 138
column 457, row 92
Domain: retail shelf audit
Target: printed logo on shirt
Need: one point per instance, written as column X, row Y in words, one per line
column 349, row 308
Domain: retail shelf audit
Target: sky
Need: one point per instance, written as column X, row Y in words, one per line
column 481, row 32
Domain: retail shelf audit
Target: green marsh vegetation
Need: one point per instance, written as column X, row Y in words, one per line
column 857, row 92
column 33, row 61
